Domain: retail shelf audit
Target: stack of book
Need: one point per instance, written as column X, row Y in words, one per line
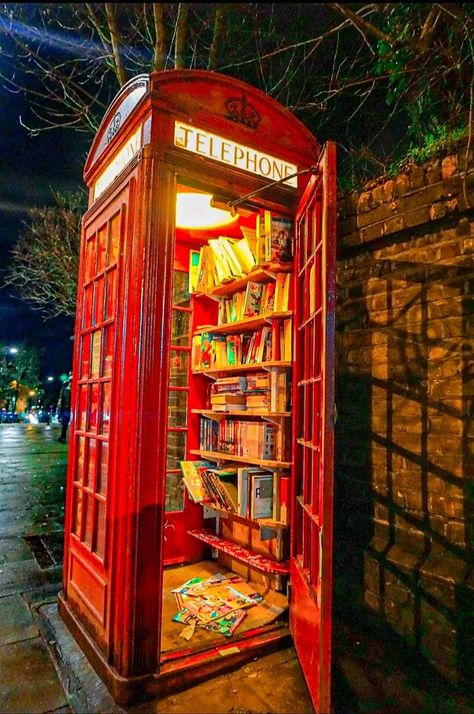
column 257, row 401
column 224, row 258
column 238, row 437
column 228, row 402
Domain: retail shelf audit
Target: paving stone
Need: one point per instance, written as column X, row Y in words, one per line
column 13, row 550
column 17, row 620
column 28, row 680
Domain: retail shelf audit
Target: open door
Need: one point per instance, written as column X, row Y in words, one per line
column 313, row 434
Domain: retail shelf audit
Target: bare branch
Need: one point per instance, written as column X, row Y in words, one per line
column 180, row 41
column 159, row 57
column 111, row 11
column 360, row 23
column 219, row 29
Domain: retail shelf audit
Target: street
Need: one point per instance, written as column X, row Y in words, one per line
column 372, row 672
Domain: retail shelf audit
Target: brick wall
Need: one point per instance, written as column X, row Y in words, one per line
column 404, row 443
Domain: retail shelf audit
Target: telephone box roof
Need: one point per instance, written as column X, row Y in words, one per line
column 209, row 100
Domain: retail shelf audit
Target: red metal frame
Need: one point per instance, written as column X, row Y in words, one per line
column 114, row 605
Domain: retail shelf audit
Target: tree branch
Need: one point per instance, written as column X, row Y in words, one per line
column 180, row 41
column 219, row 28
column 159, row 57
column 111, row 12
column 360, row 23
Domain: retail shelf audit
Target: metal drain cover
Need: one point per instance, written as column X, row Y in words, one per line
column 48, row 549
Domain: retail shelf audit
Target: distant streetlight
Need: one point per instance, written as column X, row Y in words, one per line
column 50, row 379
column 13, row 350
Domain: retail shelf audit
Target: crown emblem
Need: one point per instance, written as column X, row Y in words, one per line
column 242, row 112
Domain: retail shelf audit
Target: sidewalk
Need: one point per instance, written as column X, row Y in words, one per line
column 43, row 670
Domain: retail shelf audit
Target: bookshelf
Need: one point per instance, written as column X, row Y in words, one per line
column 221, row 456
column 244, row 419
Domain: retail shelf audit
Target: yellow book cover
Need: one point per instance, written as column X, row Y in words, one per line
column 244, row 253
column 222, row 267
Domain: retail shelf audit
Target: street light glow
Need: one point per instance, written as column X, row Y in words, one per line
column 13, row 350
column 50, row 379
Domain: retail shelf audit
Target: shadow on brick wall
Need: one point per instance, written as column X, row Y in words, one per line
column 404, row 516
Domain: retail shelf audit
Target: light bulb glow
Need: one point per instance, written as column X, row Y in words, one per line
column 194, row 210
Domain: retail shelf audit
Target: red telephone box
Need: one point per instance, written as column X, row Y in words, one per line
column 148, row 394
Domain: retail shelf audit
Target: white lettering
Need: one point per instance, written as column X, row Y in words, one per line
column 118, row 163
column 229, row 152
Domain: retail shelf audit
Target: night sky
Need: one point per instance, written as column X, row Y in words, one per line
column 29, row 168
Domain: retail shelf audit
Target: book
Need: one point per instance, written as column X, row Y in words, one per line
column 287, row 352
column 261, row 235
column 194, row 257
column 223, row 483
column 203, row 279
column 269, row 304
column 196, row 352
column 243, row 473
column 250, row 235
column 279, row 391
column 279, row 288
column 287, row 292
column 222, row 267
column 245, row 255
column 233, row 260
column 253, row 296
column 284, row 500
column 206, row 355
column 192, row 479
column 261, row 496
column 281, row 250
column 228, row 398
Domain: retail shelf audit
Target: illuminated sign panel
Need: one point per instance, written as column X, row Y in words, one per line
column 118, row 163
column 229, row 152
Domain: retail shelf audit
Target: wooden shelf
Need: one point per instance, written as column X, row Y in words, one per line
column 236, row 368
column 243, row 555
column 218, row 415
column 264, row 272
column 262, row 522
column 218, row 456
column 246, row 325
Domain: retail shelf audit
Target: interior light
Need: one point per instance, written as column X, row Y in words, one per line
column 194, row 210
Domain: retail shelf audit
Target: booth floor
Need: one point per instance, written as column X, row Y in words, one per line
column 273, row 607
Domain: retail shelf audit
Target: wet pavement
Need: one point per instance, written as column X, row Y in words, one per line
column 43, row 670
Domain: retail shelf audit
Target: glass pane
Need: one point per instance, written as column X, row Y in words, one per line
column 103, row 467
column 91, row 463
column 177, row 409
column 174, row 499
column 85, row 357
column 114, row 238
column 111, row 278
column 87, row 306
column 180, row 288
column 94, row 407
column 101, row 248
column 89, row 270
column 81, row 445
column 105, row 408
column 95, row 356
column 176, row 442
column 99, row 301
column 99, row 528
column 77, row 511
column 82, row 416
column 108, row 350
column 180, row 328
column 179, row 362
column 88, row 501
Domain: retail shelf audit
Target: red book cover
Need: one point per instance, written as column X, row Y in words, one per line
column 275, row 340
column 285, row 499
